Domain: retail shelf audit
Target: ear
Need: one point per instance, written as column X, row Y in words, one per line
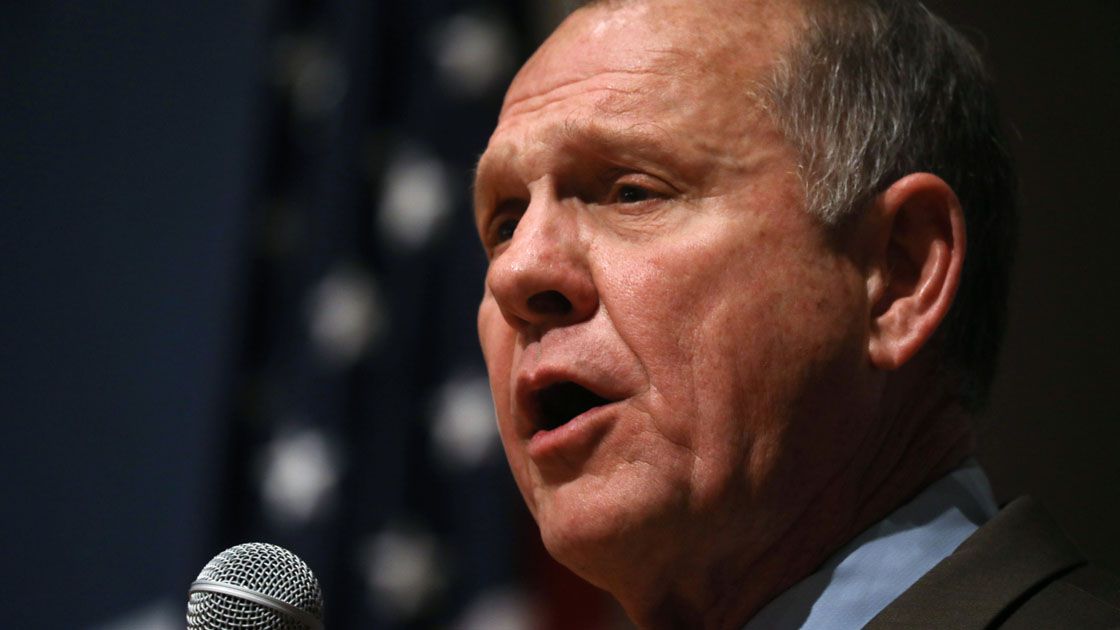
column 917, row 237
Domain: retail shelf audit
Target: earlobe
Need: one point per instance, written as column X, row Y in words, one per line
column 919, row 248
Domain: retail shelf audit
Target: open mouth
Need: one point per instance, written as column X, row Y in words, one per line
column 560, row 402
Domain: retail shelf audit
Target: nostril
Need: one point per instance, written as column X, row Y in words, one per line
column 549, row 303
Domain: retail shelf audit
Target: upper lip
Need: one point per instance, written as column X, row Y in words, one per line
column 546, row 392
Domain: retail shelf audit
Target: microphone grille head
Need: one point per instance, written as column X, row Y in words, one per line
column 255, row 585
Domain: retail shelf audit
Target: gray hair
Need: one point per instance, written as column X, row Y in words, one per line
column 877, row 89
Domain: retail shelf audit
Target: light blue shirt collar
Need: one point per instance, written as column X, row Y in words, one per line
column 868, row 573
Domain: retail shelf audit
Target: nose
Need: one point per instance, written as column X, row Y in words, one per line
column 542, row 279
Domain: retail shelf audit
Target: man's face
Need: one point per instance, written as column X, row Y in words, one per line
column 675, row 348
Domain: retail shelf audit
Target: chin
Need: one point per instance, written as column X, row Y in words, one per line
column 592, row 525
column 587, row 548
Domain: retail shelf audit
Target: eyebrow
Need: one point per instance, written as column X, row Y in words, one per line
column 644, row 145
column 644, row 142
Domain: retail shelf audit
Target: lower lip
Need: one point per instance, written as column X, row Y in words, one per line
column 577, row 436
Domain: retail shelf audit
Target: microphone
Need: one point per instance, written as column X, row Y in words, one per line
column 258, row 586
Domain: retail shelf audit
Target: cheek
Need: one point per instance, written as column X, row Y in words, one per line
column 690, row 314
column 498, row 345
column 498, row 342
column 748, row 325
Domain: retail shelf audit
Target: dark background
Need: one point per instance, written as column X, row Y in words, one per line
column 195, row 201
column 1053, row 429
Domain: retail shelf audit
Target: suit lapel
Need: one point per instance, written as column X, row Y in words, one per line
column 1016, row 552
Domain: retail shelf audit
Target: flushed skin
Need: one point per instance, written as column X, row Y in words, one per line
column 648, row 241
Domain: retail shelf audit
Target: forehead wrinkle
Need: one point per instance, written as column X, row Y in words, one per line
column 619, row 137
column 663, row 139
column 652, row 143
column 562, row 142
column 537, row 100
column 511, row 142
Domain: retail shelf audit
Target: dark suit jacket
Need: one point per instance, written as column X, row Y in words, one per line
column 1017, row 571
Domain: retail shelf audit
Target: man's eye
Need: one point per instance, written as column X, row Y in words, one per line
column 504, row 230
column 503, row 222
column 633, row 194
